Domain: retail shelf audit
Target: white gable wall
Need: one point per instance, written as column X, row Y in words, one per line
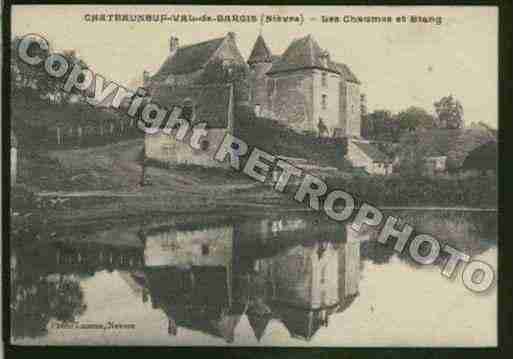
column 360, row 159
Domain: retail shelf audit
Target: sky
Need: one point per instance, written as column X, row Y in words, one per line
column 399, row 64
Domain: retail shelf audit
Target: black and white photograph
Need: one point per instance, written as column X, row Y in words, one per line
column 252, row 176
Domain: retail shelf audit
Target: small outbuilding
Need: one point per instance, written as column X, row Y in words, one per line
column 368, row 156
column 482, row 160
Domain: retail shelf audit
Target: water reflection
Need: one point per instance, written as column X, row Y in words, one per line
column 206, row 279
column 298, row 271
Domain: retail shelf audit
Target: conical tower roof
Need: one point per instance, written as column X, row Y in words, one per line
column 260, row 52
column 258, row 323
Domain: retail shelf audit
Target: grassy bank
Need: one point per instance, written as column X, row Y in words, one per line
column 422, row 191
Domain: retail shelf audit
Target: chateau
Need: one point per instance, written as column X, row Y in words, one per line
column 303, row 87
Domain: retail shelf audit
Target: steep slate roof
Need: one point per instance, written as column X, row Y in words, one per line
column 306, row 53
column 258, row 323
column 188, row 58
column 203, row 307
column 301, row 53
column 372, row 151
column 346, row 72
column 483, row 157
column 300, row 323
column 213, row 103
column 260, row 52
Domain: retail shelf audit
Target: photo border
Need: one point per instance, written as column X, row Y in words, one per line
column 505, row 288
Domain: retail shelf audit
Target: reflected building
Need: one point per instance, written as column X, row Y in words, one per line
column 285, row 269
column 188, row 273
column 204, row 278
column 305, row 284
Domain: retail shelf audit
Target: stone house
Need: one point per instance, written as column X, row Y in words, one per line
column 186, row 64
column 178, row 83
column 305, row 88
column 212, row 104
column 307, row 284
column 367, row 156
column 188, row 275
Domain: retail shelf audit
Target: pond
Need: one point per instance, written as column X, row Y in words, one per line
column 280, row 279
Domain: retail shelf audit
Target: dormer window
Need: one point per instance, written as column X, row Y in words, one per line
column 188, row 110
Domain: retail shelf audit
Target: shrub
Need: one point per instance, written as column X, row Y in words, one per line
column 421, row 191
column 276, row 138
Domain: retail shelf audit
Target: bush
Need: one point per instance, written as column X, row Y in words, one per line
column 421, row 191
column 277, row 139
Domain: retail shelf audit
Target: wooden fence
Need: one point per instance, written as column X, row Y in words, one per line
column 91, row 135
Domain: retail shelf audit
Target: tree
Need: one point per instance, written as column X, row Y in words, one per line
column 380, row 125
column 411, row 155
column 449, row 113
column 30, row 82
column 413, row 118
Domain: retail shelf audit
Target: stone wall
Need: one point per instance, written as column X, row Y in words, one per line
column 291, row 272
column 342, row 106
column 329, row 114
column 349, row 266
column 202, row 247
column 325, row 272
column 350, row 118
column 353, row 122
column 165, row 148
column 258, row 82
column 291, row 96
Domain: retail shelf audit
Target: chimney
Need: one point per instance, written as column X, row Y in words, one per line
column 232, row 35
column 174, row 43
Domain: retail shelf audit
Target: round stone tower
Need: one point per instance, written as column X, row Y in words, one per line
column 260, row 61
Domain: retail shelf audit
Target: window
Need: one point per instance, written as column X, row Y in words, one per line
column 270, row 88
column 188, row 110
column 204, row 145
column 324, row 79
column 324, row 102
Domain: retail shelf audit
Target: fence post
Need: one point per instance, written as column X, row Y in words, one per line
column 58, row 135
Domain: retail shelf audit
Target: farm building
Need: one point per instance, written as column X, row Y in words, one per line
column 368, row 156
